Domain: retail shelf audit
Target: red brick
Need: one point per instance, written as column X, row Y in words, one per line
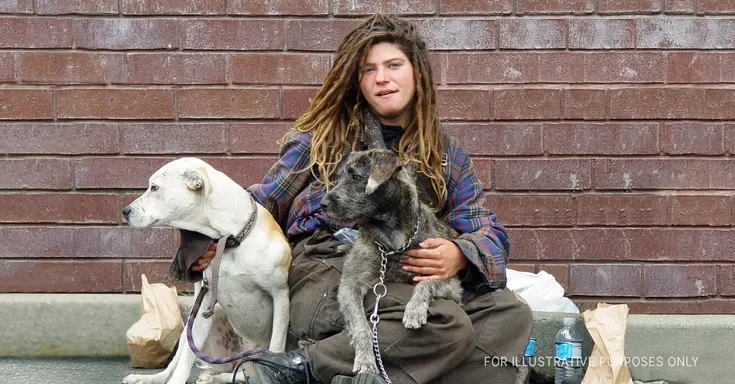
column 701, row 210
column 17, row 6
column 601, row 138
column 522, row 104
column 73, row 276
column 679, row 6
column 570, row 244
column 64, row 208
column 109, row 103
column 464, row 104
column 560, row 67
column 126, row 33
column 35, row 173
column 116, row 172
column 7, row 67
column 26, row 104
column 722, row 174
column 691, row 67
column 232, row 34
column 369, row 7
column 700, row 244
column 35, row 32
column 652, row 174
column 727, row 60
column 219, row 103
column 555, row 6
column 175, row 139
column 605, row 280
column 243, row 170
column 280, row 68
column 156, row 271
column 660, row 103
column 256, row 137
column 686, row 138
column 296, row 101
column 625, row 210
column 726, row 279
column 176, row 68
column 602, row 34
column 61, row 7
column 523, row 267
column 64, row 242
column 278, row 7
column 533, row 210
column 625, row 68
column 630, row 6
column 483, row 169
column 70, row 67
column 679, row 280
column 173, row 7
column 730, row 137
column 489, row 68
column 559, row 271
column 499, row 139
column 669, row 32
column 533, row 33
column 547, row 174
column 437, row 63
column 316, row 35
column 715, row 7
column 458, row 34
column 585, row 104
column 476, row 7
column 61, row 139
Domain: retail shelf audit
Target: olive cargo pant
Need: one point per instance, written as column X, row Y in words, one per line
column 456, row 345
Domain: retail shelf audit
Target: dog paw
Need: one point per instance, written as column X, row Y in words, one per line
column 415, row 315
column 137, row 379
column 365, row 365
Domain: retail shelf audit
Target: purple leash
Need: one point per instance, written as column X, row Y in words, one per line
column 190, row 338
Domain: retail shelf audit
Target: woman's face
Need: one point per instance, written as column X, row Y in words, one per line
column 388, row 85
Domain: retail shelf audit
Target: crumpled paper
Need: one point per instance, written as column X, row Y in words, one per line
column 152, row 339
column 607, row 325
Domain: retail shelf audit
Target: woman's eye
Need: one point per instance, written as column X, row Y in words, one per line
column 154, row 188
column 368, row 70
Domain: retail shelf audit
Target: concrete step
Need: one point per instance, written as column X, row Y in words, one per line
column 679, row 348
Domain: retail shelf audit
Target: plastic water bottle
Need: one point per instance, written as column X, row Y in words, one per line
column 568, row 364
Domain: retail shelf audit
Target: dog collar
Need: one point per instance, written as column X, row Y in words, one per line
column 403, row 247
column 234, row 241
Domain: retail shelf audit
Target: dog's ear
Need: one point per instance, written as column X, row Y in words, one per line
column 197, row 180
column 384, row 166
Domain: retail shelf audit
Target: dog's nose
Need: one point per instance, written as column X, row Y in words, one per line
column 126, row 211
column 325, row 203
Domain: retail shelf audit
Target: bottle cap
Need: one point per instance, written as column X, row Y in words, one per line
column 570, row 321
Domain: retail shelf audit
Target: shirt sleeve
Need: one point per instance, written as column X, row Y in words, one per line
column 286, row 178
column 482, row 239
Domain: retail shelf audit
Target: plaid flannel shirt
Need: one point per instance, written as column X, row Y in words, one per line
column 292, row 194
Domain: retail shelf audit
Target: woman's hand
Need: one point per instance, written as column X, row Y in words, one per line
column 203, row 260
column 437, row 259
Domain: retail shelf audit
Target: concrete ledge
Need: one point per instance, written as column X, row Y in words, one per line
column 678, row 348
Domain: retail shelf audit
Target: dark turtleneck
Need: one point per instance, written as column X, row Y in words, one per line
column 391, row 135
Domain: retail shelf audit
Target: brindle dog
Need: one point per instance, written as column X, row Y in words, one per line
column 375, row 191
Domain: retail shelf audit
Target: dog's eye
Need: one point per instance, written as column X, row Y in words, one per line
column 154, row 188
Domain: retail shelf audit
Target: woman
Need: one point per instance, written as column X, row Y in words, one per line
column 380, row 93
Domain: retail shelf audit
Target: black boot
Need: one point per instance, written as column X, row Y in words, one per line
column 278, row 368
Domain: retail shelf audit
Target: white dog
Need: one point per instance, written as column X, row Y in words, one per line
column 252, row 289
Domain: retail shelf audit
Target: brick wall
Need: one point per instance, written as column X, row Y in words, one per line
column 602, row 129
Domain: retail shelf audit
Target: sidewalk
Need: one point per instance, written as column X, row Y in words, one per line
column 692, row 349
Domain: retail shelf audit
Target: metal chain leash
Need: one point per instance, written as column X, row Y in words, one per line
column 380, row 285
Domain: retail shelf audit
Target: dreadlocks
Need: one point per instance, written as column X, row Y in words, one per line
column 335, row 113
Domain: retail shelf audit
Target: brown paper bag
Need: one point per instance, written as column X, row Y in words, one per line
column 152, row 339
column 607, row 325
